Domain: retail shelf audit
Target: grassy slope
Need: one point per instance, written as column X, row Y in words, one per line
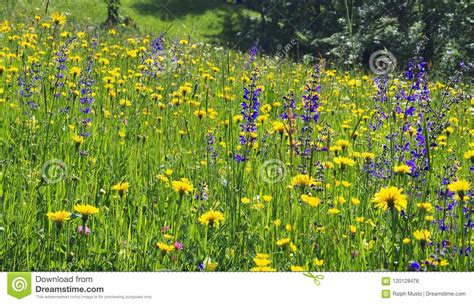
column 194, row 18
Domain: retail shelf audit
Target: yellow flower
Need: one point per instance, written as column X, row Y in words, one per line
column 355, row 201
column 261, row 262
column 429, row 218
column 469, row 155
column 245, row 200
column 237, row 118
column 293, row 247
column 343, row 143
column 344, row 161
column 209, row 265
column 121, row 187
column 367, row 155
column 459, row 187
column 402, row 169
column 182, row 186
column 125, row 102
column 334, row 211
column 328, row 165
column 422, row 235
column 164, row 247
column 267, row 198
column 75, row 71
column 211, row 218
column 406, row 241
column 58, row 18
column 200, row 113
column 310, row 200
column 425, row 206
column 262, row 269
column 317, row 262
column 283, row 242
column 302, row 180
column 263, row 256
column 443, row 263
column 390, row 197
column 295, row 268
column 86, row 210
column 353, row 229
column 78, row 139
column 279, row 127
column 59, row 217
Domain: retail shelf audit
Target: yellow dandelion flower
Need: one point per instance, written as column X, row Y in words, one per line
column 75, row 71
column 355, row 201
column 367, row 155
column 469, row 155
column 211, row 218
column 302, row 180
column 86, row 210
column 262, row 269
column 344, row 161
column 459, row 187
column 317, row 262
column 264, row 256
column 295, row 268
column 58, row 18
column 182, row 186
column 422, row 235
column 279, row 127
column 310, row 200
column 353, row 229
column 245, row 200
column 261, row 262
column 443, row 263
column 164, row 247
column 344, row 144
column 267, row 198
column 59, row 217
column 283, row 242
column 78, row 139
column 121, row 187
column 293, row 247
column 390, row 197
column 425, row 207
column 402, row 169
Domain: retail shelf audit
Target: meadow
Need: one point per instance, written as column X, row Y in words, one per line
column 127, row 152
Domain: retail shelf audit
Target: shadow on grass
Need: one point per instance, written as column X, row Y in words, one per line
column 168, row 10
column 238, row 28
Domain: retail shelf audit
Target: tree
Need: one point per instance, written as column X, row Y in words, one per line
column 113, row 16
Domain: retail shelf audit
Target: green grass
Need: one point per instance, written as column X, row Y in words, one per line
column 145, row 124
column 179, row 18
